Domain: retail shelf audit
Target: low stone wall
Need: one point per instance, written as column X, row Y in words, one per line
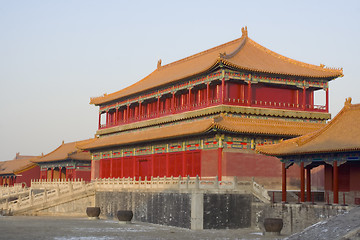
column 296, row 217
column 195, row 210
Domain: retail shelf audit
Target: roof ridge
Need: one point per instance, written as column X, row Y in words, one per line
column 321, row 67
column 347, row 107
column 202, row 53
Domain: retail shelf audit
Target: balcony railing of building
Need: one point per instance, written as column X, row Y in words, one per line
column 116, row 121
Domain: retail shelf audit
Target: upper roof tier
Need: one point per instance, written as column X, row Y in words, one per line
column 342, row 134
column 242, row 53
column 66, row 151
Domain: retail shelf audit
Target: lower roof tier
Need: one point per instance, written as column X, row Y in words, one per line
column 219, row 123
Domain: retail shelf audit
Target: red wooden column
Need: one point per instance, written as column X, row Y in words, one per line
column 283, row 190
column 139, row 110
column 327, row 100
column 116, row 116
column 107, row 118
column 127, row 112
column 304, row 98
column 158, row 106
column 302, row 182
column 336, row 183
column 172, row 107
column 308, row 184
column 189, row 99
column 249, row 94
column 99, row 120
column 222, row 90
column 207, row 94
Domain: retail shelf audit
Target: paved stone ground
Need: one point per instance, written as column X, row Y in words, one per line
column 344, row 226
column 57, row 228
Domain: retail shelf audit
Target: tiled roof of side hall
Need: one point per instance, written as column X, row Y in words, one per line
column 221, row 122
column 19, row 163
column 341, row 134
column 66, row 151
column 242, row 53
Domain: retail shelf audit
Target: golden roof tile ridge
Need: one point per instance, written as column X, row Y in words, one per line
column 201, row 53
column 344, row 110
column 321, row 67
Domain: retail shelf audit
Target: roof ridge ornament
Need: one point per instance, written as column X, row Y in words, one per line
column 347, row 103
column 244, row 31
column 159, row 64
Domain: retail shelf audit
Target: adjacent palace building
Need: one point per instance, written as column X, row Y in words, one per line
column 204, row 115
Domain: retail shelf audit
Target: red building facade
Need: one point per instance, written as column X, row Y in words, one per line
column 244, row 94
column 67, row 162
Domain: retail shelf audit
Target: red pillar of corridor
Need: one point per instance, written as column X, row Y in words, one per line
column 308, row 184
column 336, row 183
column 283, row 190
column 302, row 182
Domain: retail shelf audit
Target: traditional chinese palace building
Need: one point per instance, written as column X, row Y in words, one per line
column 20, row 170
column 205, row 114
column 336, row 146
column 66, row 162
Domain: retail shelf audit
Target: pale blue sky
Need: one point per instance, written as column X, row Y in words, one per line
column 55, row 55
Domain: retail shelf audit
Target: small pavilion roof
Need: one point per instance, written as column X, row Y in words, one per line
column 65, row 152
column 220, row 122
column 342, row 134
column 18, row 164
column 242, row 53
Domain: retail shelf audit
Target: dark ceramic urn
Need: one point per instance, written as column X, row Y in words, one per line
column 273, row 225
column 93, row 212
column 124, row 215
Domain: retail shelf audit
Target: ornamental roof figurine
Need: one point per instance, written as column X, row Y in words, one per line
column 241, row 54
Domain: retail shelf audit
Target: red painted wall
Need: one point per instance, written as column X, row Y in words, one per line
column 165, row 164
column 209, row 162
column 355, row 176
column 318, row 178
column 349, row 177
column 28, row 175
column 272, row 94
column 82, row 174
column 265, row 169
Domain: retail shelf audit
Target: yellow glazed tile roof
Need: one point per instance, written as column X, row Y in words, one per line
column 340, row 135
column 66, row 151
column 242, row 53
column 17, row 164
column 221, row 122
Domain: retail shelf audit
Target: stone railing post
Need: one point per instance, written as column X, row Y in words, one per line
column 197, row 181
